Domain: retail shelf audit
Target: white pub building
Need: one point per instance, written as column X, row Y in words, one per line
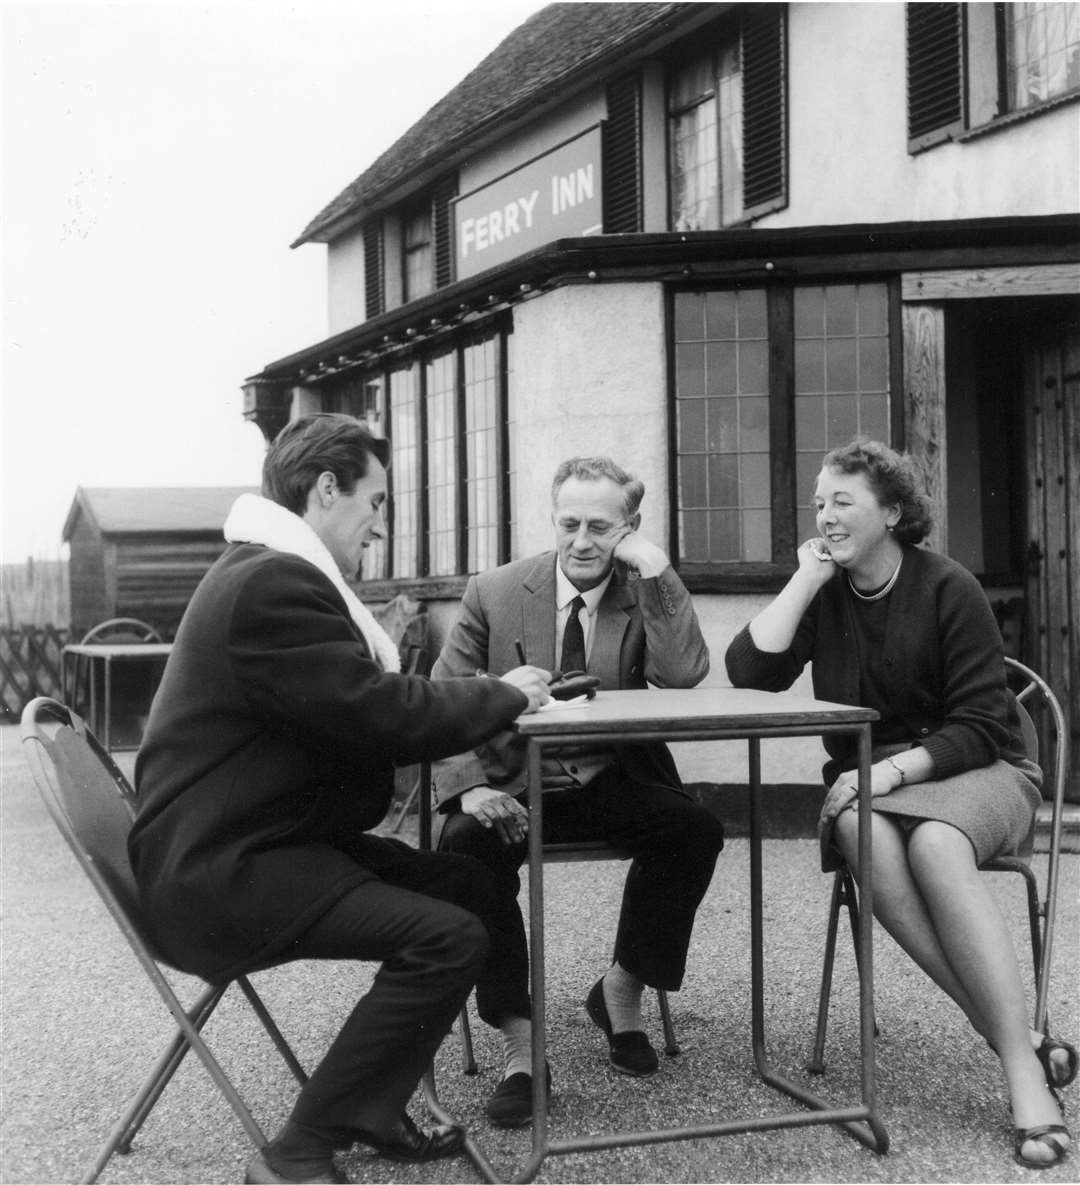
column 713, row 241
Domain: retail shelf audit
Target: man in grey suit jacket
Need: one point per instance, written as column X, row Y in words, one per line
column 607, row 601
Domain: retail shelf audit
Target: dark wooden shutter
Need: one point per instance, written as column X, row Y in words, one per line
column 374, row 288
column 622, row 156
column 935, row 81
column 764, row 75
column 442, row 226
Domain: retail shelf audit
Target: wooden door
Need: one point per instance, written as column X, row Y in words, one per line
column 1052, row 415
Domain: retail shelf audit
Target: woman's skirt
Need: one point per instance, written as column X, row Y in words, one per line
column 993, row 806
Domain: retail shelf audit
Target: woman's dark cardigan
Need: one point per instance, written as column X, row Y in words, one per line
column 941, row 663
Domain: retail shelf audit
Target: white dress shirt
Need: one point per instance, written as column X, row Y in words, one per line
column 565, row 592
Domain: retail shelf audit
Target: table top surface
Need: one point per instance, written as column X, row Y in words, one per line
column 689, row 710
column 120, row 649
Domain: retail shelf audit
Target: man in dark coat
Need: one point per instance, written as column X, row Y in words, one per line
column 606, row 601
column 269, row 756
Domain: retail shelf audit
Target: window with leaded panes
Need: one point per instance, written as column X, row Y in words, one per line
column 441, row 436
column 727, row 121
column 483, row 472
column 405, row 486
column 970, row 66
column 446, row 412
column 1042, row 51
column 418, row 256
column 766, row 381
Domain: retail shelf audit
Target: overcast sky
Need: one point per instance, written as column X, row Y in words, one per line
column 158, row 157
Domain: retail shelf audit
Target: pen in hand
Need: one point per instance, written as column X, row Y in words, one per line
column 520, row 651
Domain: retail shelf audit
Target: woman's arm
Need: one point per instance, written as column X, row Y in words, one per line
column 773, row 630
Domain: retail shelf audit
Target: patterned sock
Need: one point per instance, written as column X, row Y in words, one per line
column 622, row 995
column 517, row 1045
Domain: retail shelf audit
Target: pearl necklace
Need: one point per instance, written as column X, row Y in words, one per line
column 881, row 592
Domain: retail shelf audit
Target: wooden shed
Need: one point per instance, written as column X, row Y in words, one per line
column 140, row 551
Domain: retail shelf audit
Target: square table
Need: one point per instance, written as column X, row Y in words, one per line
column 107, row 655
column 683, row 715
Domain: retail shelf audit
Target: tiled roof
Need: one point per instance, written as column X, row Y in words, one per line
column 556, row 46
column 118, row 510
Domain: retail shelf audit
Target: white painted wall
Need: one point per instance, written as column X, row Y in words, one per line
column 588, row 378
column 527, row 143
column 345, row 278
column 848, row 136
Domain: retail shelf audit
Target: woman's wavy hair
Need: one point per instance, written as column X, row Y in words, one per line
column 893, row 478
column 312, row 445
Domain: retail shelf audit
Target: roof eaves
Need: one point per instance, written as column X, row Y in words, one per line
column 402, row 165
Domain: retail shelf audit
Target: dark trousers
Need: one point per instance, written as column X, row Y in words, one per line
column 430, row 919
column 674, row 844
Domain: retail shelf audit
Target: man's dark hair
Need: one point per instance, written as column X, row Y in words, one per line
column 314, row 444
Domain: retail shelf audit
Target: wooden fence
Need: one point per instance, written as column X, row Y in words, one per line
column 29, row 665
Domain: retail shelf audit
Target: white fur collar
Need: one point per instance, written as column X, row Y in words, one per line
column 253, row 519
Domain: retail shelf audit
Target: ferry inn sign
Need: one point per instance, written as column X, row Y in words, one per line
column 555, row 196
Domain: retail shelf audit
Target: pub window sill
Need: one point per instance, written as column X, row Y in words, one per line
column 737, row 578
column 420, row 588
column 1015, row 117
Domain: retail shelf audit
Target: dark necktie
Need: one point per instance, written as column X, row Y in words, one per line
column 573, row 643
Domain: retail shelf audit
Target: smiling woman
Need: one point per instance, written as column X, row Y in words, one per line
column 908, row 632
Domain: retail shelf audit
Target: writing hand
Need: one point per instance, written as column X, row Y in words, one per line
column 533, row 681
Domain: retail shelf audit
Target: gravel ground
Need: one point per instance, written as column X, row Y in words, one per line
column 81, row 1026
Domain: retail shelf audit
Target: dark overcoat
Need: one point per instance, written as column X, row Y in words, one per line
column 271, row 745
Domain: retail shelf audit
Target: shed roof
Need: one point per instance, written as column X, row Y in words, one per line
column 122, row 510
column 556, row 47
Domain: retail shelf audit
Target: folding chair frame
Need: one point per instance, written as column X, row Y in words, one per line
column 189, row 1021
column 1042, row 914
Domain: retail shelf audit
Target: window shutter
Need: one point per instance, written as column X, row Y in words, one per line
column 764, row 72
column 622, row 156
column 445, row 192
column 935, row 85
column 374, row 289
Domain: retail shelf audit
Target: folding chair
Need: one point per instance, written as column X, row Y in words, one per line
column 1042, row 913
column 92, row 804
column 555, row 853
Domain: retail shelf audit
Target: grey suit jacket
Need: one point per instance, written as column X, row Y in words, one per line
column 646, row 632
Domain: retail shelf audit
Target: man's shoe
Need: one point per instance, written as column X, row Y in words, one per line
column 405, row 1141
column 511, row 1104
column 630, row 1052
column 259, row 1172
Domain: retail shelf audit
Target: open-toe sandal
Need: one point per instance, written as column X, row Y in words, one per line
column 1048, row 1134
column 1056, row 1077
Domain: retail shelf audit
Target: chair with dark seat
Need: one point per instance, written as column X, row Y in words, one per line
column 93, row 806
column 1033, row 694
column 555, row 853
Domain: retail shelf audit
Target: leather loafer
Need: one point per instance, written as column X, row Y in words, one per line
column 630, row 1052
column 259, row 1172
column 511, row 1105
column 406, row 1142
